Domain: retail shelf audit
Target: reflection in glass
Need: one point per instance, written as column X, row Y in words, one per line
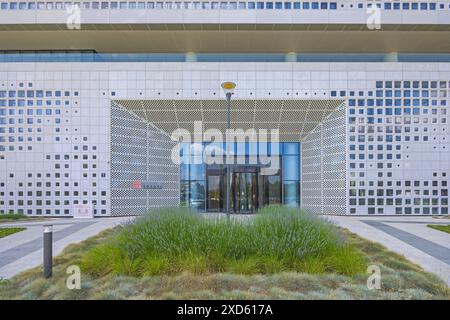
column 291, row 193
column 245, row 194
column 214, row 153
column 197, row 172
column 251, row 148
column 197, row 198
column 215, row 193
column 291, row 148
column 272, row 190
column 184, row 171
column 202, row 186
column 196, row 150
column 275, row 148
column 184, row 194
column 291, row 168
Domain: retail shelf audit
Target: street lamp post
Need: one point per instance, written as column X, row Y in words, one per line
column 228, row 88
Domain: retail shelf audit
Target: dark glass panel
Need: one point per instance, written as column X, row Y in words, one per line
column 272, row 190
column 245, row 196
column 215, row 193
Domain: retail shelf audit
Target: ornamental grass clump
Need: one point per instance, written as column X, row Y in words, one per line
column 174, row 240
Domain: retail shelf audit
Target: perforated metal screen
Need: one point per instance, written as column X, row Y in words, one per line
column 294, row 118
column 324, row 166
column 140, row 152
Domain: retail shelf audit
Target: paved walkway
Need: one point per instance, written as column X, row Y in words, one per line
column 23, row 250
column 408, row 236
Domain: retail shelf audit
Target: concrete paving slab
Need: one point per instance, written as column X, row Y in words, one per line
column 429, row 247
column 28, row 252
column 426, row 261
column 15, row 253
column 33, row 233
column 433, row 235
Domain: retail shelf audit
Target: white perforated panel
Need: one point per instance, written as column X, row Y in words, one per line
column 294, row 118
column 140, row 152
column 324, row 167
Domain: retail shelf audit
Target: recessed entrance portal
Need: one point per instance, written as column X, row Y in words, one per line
column 295, row 120
column 141, row 139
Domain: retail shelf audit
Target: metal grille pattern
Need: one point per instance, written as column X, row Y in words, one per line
column 140, row 152
column 294, row 118
column 324, row 166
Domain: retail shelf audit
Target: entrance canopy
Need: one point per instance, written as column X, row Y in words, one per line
column 294, row 118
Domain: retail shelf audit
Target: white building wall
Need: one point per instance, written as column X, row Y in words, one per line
column 85, row 122
column 193, row 12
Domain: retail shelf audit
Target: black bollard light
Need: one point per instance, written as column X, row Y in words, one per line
column 48, row 248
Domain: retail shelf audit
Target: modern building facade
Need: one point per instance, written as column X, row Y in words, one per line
column 359, row 92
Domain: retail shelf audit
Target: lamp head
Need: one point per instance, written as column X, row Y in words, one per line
column 228, row 87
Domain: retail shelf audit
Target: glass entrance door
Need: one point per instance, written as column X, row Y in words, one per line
column 215, row 193
column 245, row 192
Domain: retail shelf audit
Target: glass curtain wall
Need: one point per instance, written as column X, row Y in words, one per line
column 280, row 187
column 291, row 174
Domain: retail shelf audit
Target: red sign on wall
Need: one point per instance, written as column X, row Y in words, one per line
column 136, row 184
column 82, row 211
column 152, row 185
